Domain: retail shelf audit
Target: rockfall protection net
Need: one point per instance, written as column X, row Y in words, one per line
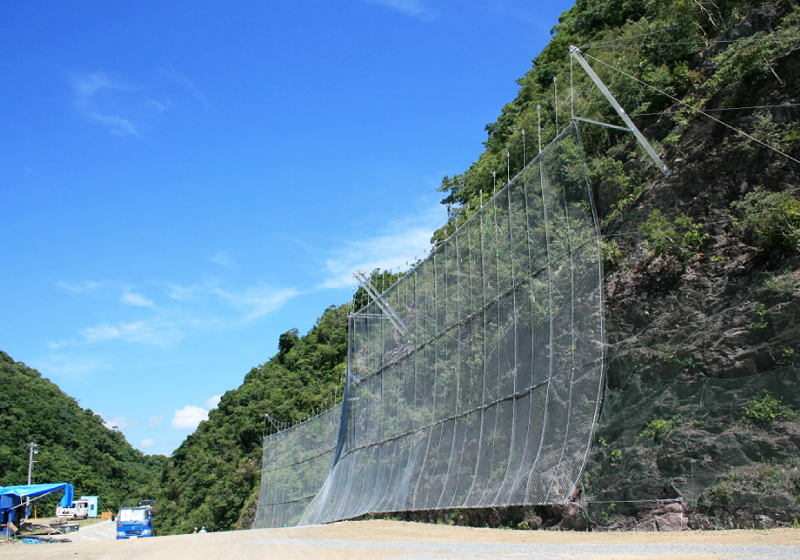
column 491, row 395
column 295, row 464
column 708, row 449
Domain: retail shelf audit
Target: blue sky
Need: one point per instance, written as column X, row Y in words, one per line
column 181, row 182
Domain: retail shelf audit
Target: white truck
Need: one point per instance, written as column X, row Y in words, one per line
column 79, row 509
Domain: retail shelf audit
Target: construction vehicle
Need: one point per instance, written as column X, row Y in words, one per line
column 135, row 522
column 79, row 509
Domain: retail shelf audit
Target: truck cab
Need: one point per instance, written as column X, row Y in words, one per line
column 135, row 522
column 79, row 509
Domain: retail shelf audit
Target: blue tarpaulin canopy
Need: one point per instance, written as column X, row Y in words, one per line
column 34, row 490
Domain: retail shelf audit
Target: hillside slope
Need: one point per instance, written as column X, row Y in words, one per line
column 702, row 267
column 213, row 478
column 703, row 330
column 74, row 446
column 702, row 273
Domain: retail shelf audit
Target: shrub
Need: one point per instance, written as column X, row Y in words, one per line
column 660, row 429
column 772, row 219
column 760, row 320
column 625, row 186
column 607, row 515
column 764, row 409
column 610, row 252
column 783, row 284
column 720, row 492
column 679, row 237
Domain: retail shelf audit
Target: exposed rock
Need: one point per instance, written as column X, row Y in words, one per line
column 693, row 340
column 572, row 519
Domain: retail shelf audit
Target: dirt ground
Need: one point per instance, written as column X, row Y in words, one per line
column 368, row 540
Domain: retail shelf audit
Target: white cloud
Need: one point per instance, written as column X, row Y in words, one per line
column 56, row 344
column 188, row 417
column 89, row 287
column 258, row 300
column 157, row 332
column 223, row 258
column 130, row 298
column 203, row 306
column 87, row 88
column 116, row 125
column 157, row 105
column 212, row 402
column 402, row 242
column 155, row 420
column 413, row 8
column 87, row 85
column 147, row 443
column 183, row 293
column 117, row 422
column 100, row 332
column 59, row 365
column 185, row 82
column 251, row 302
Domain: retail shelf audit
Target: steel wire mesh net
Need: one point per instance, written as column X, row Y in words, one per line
column 295, row 464
column 491, row 395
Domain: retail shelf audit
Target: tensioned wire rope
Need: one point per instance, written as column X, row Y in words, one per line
column 695, row 109
column 720, row 110
column 705, row 113
column 621, row 42
column 749, row 107
column 317, row 383
column 624, row 41
column 307, row 391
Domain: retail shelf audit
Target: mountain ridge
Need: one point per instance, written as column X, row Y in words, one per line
column 702, row 280
column 74, row 445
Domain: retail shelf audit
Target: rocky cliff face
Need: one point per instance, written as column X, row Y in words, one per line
column 703, row 331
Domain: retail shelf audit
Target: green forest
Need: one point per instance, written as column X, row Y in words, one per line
column 73, row 444
column 702, row 282
column 213, row 478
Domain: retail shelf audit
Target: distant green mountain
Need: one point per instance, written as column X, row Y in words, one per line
column 213, row 478
column 702, row 288
column 73, row 444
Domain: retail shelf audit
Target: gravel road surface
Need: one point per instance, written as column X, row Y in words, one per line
column 374, row 540
column 102, row 531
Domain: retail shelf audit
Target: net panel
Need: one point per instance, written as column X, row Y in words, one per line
column 490, row 397
column 295, row 464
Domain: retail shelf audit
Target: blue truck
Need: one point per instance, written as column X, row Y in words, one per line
column 135, row 522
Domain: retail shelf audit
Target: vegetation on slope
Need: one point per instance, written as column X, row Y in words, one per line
column 669, row 44
column 213, row 478
column 702, row 298
column 702, row 267
column 74, row 446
